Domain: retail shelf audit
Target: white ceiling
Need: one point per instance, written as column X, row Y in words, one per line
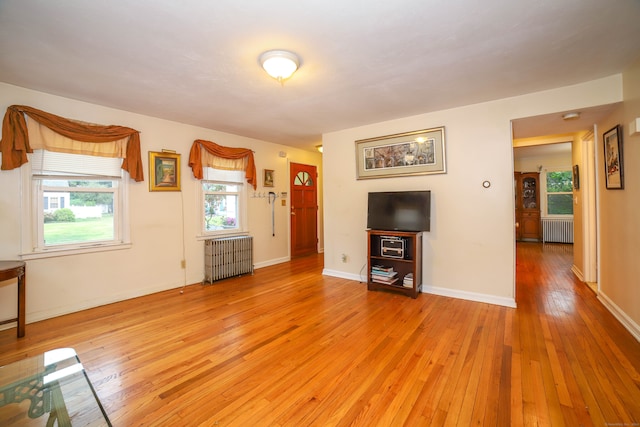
column 196, row 61
column 546, row 150
column 553, row 126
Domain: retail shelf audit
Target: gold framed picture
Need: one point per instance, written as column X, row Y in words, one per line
column 268, row 178
column 164, row 171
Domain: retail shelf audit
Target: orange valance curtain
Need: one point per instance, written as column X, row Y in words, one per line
column 15, row 137
column 195, row 159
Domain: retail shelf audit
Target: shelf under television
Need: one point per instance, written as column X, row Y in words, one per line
column 410, row 262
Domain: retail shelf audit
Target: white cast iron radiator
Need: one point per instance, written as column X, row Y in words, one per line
column 227, row 257
column 557, row 230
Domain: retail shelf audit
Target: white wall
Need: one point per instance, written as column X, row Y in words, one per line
column 470, row 251
column 619, row 235
column 158, row 229
column 549, row 162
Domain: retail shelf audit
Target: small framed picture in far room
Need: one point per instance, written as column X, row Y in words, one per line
column 268, row 178
column 613, row 160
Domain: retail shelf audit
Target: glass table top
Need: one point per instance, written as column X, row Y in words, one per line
column 50, row 389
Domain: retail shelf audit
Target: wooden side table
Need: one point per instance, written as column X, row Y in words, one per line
column 12, row 270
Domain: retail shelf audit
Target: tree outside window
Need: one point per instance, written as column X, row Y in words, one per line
column 221, row 202
column 560, row 193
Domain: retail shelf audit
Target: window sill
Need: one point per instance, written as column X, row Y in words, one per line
column 58, row 252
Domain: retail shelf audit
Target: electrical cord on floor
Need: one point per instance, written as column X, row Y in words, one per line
column 365, row 275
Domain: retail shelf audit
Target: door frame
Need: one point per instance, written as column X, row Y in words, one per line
column 590, row 210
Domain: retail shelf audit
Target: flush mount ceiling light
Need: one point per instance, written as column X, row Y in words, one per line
column 571, row 116
column 280, row 64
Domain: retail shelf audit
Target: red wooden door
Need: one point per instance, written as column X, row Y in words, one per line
column 304, row 209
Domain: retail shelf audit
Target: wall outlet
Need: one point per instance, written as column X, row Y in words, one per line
column 183, row 263
column 344, row 257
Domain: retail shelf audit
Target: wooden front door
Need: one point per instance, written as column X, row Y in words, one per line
column 304, row 209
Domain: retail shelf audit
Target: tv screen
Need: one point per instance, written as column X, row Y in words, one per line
column 399, row 211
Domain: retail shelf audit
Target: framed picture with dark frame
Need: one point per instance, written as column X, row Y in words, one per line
column 164, row 171
column 613, row 160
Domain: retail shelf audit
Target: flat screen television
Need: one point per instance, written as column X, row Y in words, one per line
column 399, row 210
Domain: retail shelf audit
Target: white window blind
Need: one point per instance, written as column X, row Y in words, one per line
column 47, row 163
column 211, row 174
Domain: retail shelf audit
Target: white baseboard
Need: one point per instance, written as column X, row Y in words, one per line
column 578, row 273
column 84, row 305
column 470, row 296
column 622, row 317
column 271, row 262
column 592, row 285
column 343, row 275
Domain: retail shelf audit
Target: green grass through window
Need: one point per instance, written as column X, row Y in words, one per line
column 79, row 231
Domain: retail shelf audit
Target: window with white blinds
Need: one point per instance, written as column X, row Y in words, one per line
column 223, row 201
column 77, row 202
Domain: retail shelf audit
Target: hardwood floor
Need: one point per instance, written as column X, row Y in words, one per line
column 289, row 347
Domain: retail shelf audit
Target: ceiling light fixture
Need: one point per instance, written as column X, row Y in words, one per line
column 319, row 148
column 571, row 116
column 279, row 64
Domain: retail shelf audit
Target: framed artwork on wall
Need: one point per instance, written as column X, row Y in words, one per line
column 412, row 153
column 164, row 171
column 613, row 160
column 268, row 178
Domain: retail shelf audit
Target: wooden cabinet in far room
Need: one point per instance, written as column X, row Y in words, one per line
column 527, row 205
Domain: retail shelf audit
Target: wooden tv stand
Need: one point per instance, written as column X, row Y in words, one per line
column 391, row 256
